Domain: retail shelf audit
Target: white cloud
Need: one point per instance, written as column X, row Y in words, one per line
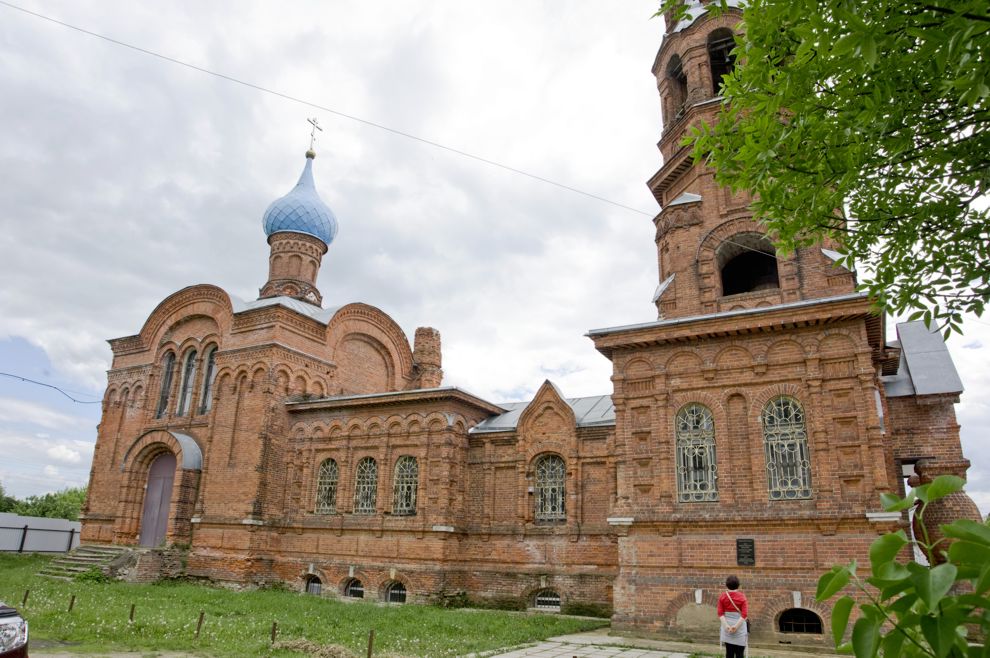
column 22, row 411
column 64, row 454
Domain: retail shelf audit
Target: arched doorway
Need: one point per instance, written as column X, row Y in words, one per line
column 157, row 498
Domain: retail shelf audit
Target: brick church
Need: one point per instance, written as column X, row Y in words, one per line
column 751, row 427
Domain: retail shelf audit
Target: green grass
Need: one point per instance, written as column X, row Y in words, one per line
column 239, row 623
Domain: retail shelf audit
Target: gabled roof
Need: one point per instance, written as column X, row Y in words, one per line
column 588, row 412
column 925, row 368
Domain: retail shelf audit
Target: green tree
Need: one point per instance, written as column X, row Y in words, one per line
column 867, row 122
column 7, row 503
column 64, row 504
column 911, row 609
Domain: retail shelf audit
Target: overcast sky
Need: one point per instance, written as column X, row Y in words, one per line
column 126, row 178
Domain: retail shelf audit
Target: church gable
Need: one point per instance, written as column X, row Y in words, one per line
column 370, row 350
column 547, row 424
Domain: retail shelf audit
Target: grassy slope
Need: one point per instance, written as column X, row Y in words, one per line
column 239, row 623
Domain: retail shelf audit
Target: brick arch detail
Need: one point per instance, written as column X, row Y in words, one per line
column 710, row 242
column 680, row 400
column 765, row 395
column 205, row 300
column 134, row 465
column 778, row 605
column 709, row 596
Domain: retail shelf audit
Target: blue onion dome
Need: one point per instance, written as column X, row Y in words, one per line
column 302, row 210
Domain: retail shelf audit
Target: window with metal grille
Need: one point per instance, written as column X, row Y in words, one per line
column 354, row 589
column 406, row 483
column 396, row 593
column 168, row 367
column 186, row 389
column 697, row 474
column 785, row 441
column 326, row 487
column 799, row 620
column 550, row 478
column 314, row 585
column 366, row 486
column 547, row 600
column 210, row 370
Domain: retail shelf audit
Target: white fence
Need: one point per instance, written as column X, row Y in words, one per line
column 34, row 534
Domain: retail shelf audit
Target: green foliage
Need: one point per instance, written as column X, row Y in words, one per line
column 93, row 575
column 7, row 503
column 581, row 609
column 867, row 123
column 499, row 603
column 910, row 609
column 64, row 504
column 239, row 623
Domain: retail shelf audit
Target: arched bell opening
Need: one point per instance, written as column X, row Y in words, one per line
column 747, row 262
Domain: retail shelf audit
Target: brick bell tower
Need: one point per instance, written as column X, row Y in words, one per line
column 300, row 228
column 753, row 431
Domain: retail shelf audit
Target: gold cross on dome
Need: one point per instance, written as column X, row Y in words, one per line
column 312, row 133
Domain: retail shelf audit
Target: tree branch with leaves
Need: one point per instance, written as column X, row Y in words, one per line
column 867, row 123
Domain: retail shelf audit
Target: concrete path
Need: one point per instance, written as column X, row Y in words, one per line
column 599, row 644
column 593, row 644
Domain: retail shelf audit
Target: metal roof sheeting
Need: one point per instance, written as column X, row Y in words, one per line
column 926, row 368
column 588, row 412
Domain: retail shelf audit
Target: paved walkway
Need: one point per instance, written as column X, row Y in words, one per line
column 593, row 644
column 599, row 644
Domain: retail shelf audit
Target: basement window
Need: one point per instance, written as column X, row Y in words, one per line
column 354, row 589
column 548, row 600
column 396, row 593
column 799, row 620
column 314, row 585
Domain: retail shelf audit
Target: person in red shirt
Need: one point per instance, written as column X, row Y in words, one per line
column 733, row 611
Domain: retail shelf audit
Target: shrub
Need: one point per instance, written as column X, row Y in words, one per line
column 584, row 609
column 499, row 603
column 911, row 609
column 93, row 575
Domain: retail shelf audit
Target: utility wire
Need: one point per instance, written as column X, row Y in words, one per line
column 62, row 391
column 360, row 120
column 367, row 122
column 329, row 110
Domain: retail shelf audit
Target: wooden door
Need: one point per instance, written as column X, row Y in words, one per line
column 157, row 497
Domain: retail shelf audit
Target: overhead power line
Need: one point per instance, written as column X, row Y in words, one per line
column 330, row 110
column 352, row 117
column 46, row 385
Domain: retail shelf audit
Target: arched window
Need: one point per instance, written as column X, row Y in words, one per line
column 550, row 477
column 314, row 585
column 747, row 262
column 366, row 487
column 186, row 389
column 547, row 599
column 799, row 620
column 785, row 440
column 395, row 593
column 168, row 369
column 678, row 88
column 406, row 483
column 326, row 487
column 354, row 589
column 720, row 57
column 209, row 372
column 697, row 474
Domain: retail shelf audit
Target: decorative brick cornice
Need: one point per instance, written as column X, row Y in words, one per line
column 265, row 316
column 783, row 317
